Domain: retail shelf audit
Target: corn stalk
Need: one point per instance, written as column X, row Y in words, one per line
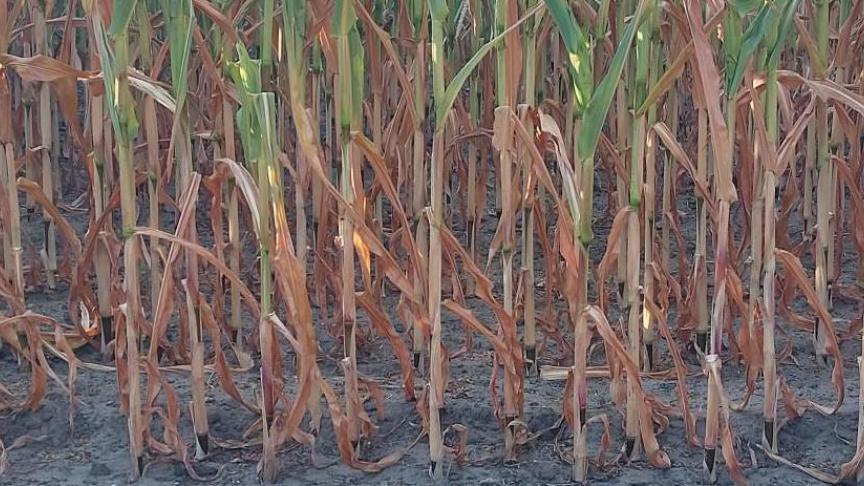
column 113, row 48
column 594, row 103
column 825, row 187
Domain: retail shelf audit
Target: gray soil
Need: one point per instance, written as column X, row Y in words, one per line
column 96, row 450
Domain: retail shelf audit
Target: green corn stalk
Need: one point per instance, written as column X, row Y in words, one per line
column 154, row 167
column 227, row 49
column 639, row 161
column 438, row 10
column 41, row 37
column 593, row 103
column 473, row 149
column 655, row 65
column 825, row 189
column 530, row 338
column 316, row 96
column 505, row 172
column 294, row 22
column 179, row 23
column 376, row 85
column 703, row 163
column 419, row 15
column 623, row 131
column 268, row 13
column 669, row 171
column 349, row 117
column 113, row 48
column 757, row 224
column 102, row 160
column 774, row 41
column 444, row 96
column 8, row 176
column 731, row 47
column 739, row 45
column 838, row 189
column 256, row 124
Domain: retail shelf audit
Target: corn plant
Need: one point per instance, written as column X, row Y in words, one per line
column 113, row 45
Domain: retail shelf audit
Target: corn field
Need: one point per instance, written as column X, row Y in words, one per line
column 537, row 241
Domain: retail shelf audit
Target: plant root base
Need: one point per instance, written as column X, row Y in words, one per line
column 436, row 471
column 702, row 342
column 768, row 435
column 203, row 443
column 649, row 355
column 710, row 466
column 629, row 447
column 531, row 360
column 107, row 329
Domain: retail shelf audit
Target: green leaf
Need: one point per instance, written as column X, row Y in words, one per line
column 756, row 31
column 294, row 19
column 145, row 35
column 601, row 25
column 265, row 109
column 417, row 13
column 343, row 18
column 439, row 10
column 357, row 73
column 733, row 33
column 784, row 26
column 598, row 107
column 456, row 12
column 179, row 16
column 294, row 14
column 245, row 129
column 567, row 26
column 121, row 15
column 248, row 71
column 443, row 105
column 578, row 47
column 744, row 7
